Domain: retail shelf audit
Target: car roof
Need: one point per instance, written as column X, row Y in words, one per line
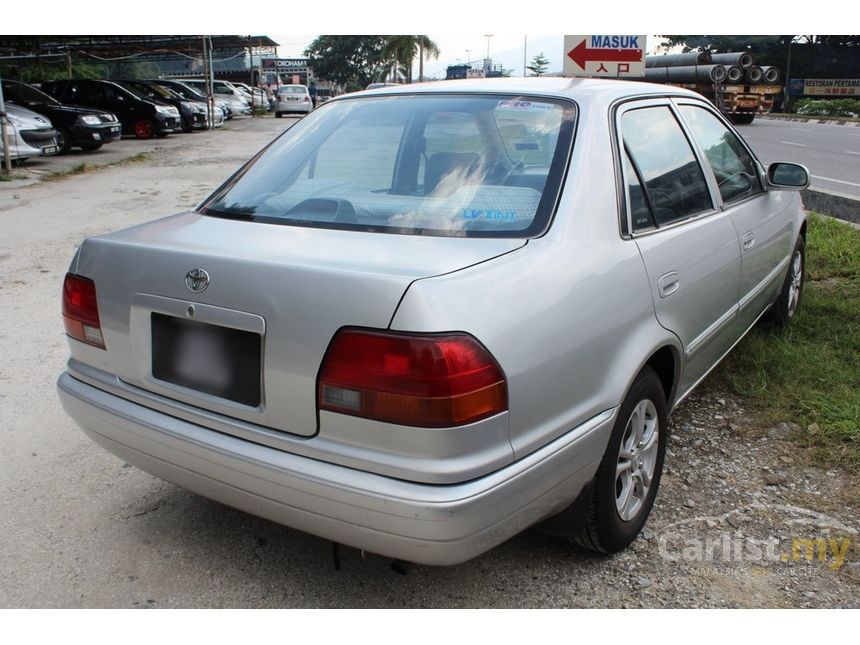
column 581, row 89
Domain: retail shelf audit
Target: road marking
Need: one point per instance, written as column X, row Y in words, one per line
column 790, row 143
column 838, row 181
column 851, row 152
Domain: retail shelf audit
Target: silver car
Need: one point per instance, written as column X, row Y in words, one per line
column 29, row 134
column 426, row 318
column 224, row 90
column 293, row 99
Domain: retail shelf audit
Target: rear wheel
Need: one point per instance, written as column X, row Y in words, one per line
column 788, row 301
column 278, row 115
column 628, row 477
column 144, row 129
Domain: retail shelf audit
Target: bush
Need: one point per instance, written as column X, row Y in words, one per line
column 828, row 107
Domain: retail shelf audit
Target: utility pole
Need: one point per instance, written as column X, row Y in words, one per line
column 525, row 45
column 785, row 97
column 488, row 36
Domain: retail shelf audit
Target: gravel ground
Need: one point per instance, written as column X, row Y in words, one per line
column 78, row 528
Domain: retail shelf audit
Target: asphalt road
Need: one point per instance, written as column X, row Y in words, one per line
column 831, row 152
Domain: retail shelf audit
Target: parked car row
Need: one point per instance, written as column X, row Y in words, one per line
column 87, row 113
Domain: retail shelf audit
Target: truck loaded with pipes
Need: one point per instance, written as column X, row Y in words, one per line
column 732, row 82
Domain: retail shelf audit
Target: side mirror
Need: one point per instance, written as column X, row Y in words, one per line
column 783, row 175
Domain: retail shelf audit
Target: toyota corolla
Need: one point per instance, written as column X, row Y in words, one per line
column 428, row 317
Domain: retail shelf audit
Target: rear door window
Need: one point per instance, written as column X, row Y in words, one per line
column 672, row 178
column 728, row 158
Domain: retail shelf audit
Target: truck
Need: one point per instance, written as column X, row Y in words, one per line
column 731, row 81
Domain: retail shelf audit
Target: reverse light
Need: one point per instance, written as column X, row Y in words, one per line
column 431, row 381
column 81, row 311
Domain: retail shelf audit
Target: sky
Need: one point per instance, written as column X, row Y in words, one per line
column 456, row 26
column 506, row 48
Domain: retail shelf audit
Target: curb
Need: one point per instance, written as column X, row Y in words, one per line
column 844, row 207
column 807, row 119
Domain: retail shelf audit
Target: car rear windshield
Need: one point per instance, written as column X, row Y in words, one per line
column 456, row 165
column 292, row 89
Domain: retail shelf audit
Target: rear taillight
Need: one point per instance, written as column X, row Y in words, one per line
column 81, row 310
column 415, row 380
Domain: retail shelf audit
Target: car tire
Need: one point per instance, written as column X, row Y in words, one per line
column 742, row 119
column 621, row 499
column 787, row 303
column 144, row 129
column 90, row 147
column 64, row 141
column 278, row 115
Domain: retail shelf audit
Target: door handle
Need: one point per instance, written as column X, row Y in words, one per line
column 668, row 284
column 748, row 240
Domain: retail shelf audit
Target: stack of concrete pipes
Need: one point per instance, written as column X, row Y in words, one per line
column 707, row 68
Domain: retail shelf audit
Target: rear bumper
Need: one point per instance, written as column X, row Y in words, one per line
column 293, row 108
column 424, row 523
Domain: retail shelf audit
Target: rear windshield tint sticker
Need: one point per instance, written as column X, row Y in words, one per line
column 525, row 106
column 490, row 215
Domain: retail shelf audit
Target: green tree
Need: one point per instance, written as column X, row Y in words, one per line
column 539, row 65
column 400, row 52
column 353, row 61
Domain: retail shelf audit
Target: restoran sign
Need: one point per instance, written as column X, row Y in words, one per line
column 831, row 87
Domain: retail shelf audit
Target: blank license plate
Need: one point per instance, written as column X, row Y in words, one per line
column 220, row 361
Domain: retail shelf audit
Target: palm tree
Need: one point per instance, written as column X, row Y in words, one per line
column 401, row 51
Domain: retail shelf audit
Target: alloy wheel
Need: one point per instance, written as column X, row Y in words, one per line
column 637, row 459
column 796, row 282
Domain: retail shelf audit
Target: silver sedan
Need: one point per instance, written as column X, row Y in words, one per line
column 426, row 318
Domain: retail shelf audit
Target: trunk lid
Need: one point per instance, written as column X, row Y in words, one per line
column 286, row 289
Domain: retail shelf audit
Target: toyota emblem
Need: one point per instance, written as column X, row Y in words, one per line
column 197, row 280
